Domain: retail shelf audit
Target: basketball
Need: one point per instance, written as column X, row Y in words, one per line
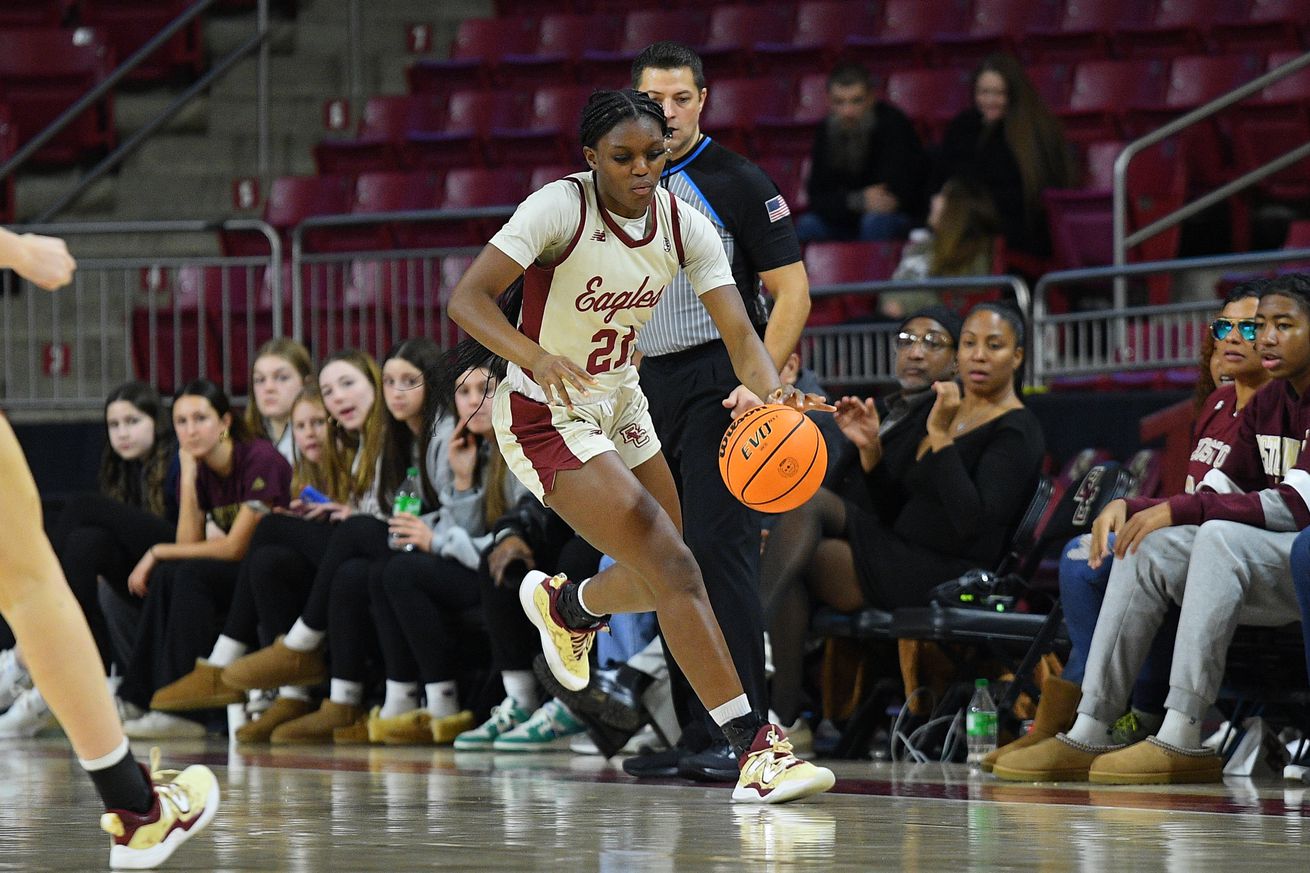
column 773, row 458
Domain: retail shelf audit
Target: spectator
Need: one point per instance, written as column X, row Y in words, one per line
column 282, row 367
column 1221, row 553
column 964, row 485
column 1011, row 143
column 960, row 240
column 867, row 166
column 1083, row 577
column 309, row 430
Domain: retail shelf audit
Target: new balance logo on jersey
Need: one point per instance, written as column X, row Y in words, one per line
column 595, row 299
column 599, row 235
column 635, row 434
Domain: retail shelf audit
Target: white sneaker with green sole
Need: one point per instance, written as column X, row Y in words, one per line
column 504, row 718
column 550, row 728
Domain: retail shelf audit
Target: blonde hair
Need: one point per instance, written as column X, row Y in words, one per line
column 968, row 229
column 343, row 447
column 304, row 471
column 294, row 354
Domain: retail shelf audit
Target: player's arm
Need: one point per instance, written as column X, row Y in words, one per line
column 750, row 360
column 42, row 260
column 789, row 287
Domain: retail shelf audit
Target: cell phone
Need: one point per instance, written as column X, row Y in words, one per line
column 310, row 494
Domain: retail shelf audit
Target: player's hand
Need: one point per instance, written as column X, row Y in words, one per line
column 44, row 261
column 561, row 379
column 409, row 530
column 741, row 401
column 138, row 581
column 944, row 408
column 858, row 420
column 1141, row 524
column 507, row 551
column 790, row 395
column 1110, row 521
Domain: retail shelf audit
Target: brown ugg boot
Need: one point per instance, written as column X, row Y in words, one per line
column 281, row 711
column 1056, row 712
column 276, row 665
column 202, row 688
column 318, row 728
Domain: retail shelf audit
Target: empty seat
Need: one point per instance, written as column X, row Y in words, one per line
column 993, row 26
column 375, row 193
column 1177, row 28
column 470, row 116
column 822, row 27
column 291, row 200
column 34, row 13
column 840, row 263
column 561, row 39
column 794, row 134
column 1103, row 91
column 931, row 97
column 731, row 114
column 550, row 131
column 1082, row 31
column 129, row 24
column 475, row 54
column 1267, row 24
column 904, row 37
column 641, row 27
column 379, row 143
column 1259, row 141
column 468, row 188
column 733, row 32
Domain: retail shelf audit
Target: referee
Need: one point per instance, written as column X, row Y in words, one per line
column 689, row 381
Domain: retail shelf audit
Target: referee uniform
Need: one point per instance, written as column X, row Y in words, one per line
column 686, row 374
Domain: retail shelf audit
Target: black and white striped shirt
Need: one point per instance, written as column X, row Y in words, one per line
column 746, row 209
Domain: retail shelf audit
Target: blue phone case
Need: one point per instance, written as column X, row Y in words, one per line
column 310, row 494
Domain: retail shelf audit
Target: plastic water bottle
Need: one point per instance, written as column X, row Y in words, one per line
column 980, row 723
column 408, row 501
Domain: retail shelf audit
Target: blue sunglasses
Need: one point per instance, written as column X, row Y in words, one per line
column 1220, row 328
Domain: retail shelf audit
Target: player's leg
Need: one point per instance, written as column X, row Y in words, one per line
column 65, row 665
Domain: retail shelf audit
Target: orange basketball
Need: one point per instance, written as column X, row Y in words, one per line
column 773, row 458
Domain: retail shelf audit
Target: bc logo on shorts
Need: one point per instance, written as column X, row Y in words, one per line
column 635, row 434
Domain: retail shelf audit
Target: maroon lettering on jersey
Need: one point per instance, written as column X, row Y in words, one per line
column 596, row 299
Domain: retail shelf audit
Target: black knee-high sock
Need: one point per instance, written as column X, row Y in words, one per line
column 124, row 785
column 570, row 609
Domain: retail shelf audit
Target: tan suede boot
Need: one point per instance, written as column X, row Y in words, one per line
column 317, row 728
column 276, row 665
column 1056, row 711
column 281, row 711
column 202, row 688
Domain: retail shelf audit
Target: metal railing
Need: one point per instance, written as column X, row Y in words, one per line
column 1122, row 239
column 219, row 69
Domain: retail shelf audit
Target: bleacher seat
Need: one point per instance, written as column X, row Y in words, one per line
column 379, row 144
column 561, row 39
column 1082, row 31
column 821, row 29
column 34, row 13
column 731, row 114
column 1266, row 25
column 641, row 27
column 377, row 192
column 931, row 97
column 46, row 70
column 904, row 37
column 733, row 31
column 793, row 134
column 839, row 263
column 1259, row 141
column 475, row 54
column 467, row 188
column 550, row 131
column 291, row 199
column 993, row 26
column 129, row 24
column 1053, row 82
column 1102, row 92
column 461, row 140
column 1177, row 27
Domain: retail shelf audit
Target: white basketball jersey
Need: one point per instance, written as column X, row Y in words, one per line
column 589, row 305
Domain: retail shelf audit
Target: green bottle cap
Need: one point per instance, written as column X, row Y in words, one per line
column 980, row 683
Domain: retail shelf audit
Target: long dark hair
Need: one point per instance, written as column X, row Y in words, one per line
column 1205, row 385
column 222, row 404
column 139, row 483
column 398, row 448
column 605, row 110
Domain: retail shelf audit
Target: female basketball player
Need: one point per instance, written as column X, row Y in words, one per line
column 149, row 815
column 588, row 257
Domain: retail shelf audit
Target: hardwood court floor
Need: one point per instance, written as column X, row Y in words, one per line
column 368, row 809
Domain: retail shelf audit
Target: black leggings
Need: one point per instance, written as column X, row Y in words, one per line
column 352, row 633
column 417, row 606
column 360, row 536
column 275, row 578
column 184, row 605
column 97, row 536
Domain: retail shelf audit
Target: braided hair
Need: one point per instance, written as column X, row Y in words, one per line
column 605, row 110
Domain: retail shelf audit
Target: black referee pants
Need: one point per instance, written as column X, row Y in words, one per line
column 686, row 392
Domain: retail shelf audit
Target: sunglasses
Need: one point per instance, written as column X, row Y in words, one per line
column 1220, row 328
column 932, row 341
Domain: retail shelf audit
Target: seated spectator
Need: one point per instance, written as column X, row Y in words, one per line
column 104, row 534
column 1084, row 574
column 959, row 240
column 282, row 367
column 962, row 488
column 227, row 479
column 1221, row 553
column 867, row 168
column 1010, row 142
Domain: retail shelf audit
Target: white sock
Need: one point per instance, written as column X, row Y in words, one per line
column 735, row 708
column 294, row 692
column 522, row 686
column 443, row 699
column 345, row 692
column 226, row 650
column 303, row 638
column 106, row 761
column 582, row 601
column 1180, row 730
column 402, row 697
column 1090, row 731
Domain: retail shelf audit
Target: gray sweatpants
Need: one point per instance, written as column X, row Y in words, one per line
column 1222, row 574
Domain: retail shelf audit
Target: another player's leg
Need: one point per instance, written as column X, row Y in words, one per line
column 636, row 524
column 148, row 816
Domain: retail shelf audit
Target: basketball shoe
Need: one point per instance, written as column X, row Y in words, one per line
column 771, row 772
column 184, row 804
column 565, row 649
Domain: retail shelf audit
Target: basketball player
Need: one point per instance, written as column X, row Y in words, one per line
column 148, row 814
column 599, row 250
column 685, row 372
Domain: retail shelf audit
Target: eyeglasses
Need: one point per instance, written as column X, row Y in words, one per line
column 932, row 341
column 1220, row 328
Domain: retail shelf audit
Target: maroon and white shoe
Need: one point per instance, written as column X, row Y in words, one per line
column 771, row 772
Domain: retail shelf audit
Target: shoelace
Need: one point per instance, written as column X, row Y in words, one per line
column 166, row 786
column 781, row 747
column 580, row 643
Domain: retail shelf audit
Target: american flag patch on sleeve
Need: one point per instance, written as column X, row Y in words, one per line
column 777, row 208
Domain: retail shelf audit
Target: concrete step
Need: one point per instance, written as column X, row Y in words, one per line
column 297, row 75
column 133, row 111
column 288, row 113
column 36, row 191
column 89, row 246
column 225, row 34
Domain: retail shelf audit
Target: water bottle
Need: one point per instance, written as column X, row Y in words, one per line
column 407, row 501
column 981, row 723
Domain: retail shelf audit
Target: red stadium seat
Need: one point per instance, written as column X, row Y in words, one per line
column 1083, row 31
column 734, row 105
column 129, row 24
column 641, row 27
column 794, row 135
column 8, row 146
column 903, row 39
column 547, row 173
column 467, row 188
column 561, row 40
column 291, row 200
column 1258, row 141
column 34, row 13
column 839, row 263
column 786, row 172
column 377, row 192
column 1102, row 92
column 551, row 131
column 470, row 117
column 1177, row 28
column 994, row 26
column 474, row 55
column 379, row 144
column 931, row 97
column 1268, row 24
column 43, row 72
column 1100, row 165
column 821, row 29
column 733, row 32
column 1053, row 83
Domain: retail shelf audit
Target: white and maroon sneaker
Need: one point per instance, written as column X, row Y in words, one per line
column 771, row 772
